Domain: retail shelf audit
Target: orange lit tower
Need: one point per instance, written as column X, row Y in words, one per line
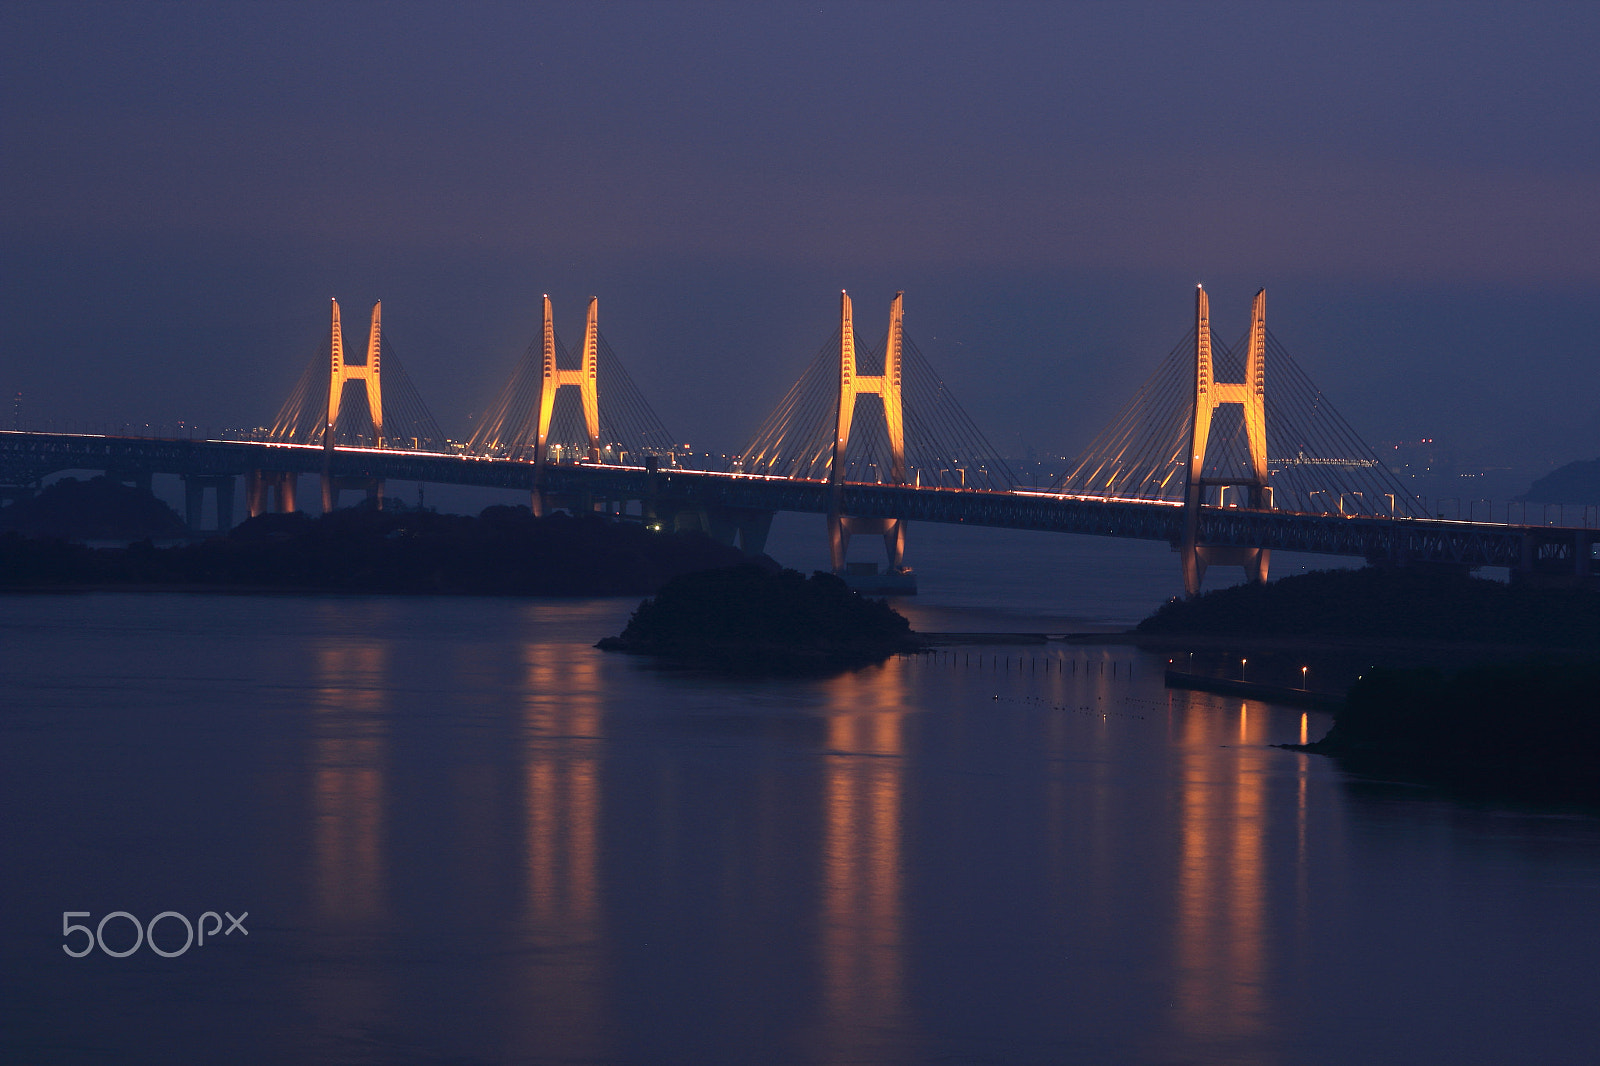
column 370, row 377
column 585, row 377
column 1209, row 394
column 888, row 388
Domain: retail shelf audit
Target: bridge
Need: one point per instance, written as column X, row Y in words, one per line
column 1206, row 457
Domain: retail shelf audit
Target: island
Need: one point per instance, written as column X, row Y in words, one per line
column 1480, row 686
column 755, row 620
column 1529, row 729
column 1387, row 606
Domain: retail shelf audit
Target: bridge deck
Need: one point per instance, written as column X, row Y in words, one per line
column 26, row 457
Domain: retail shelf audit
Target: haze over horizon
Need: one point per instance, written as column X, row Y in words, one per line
column 186, row 185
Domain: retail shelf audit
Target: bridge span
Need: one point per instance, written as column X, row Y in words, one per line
column 1204, row 457
column 739, row 507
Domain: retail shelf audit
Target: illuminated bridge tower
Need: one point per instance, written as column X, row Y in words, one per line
column 340, row 374
column 888, row 387
column 585, row 377
column 1209, row 394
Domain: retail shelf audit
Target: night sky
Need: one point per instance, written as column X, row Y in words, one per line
column 183, row 187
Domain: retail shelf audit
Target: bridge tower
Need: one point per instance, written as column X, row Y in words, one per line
column 585, row 377
column 341, row 372
column 888, row 388
column 1209, row 394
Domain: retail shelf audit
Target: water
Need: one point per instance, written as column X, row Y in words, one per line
column 463, row 835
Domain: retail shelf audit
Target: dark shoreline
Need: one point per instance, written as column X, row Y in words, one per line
column 1486, row 690
column 1527, row 729
column 505, row 551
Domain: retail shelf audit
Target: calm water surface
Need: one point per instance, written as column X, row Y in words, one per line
column 463, row 835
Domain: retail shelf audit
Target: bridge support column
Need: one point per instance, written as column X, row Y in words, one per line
column 224, row 490
column 193, row 497
column 1253, row 560
column 552, row 379
column 370, row 378
column 1209, row 394
column 369, row 375
column 888, row 387
column 893, row 531
column 332, row 486
column 194, row 490
column 270, row 491
column 747, row 528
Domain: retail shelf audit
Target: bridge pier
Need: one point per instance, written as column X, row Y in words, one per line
column 543, row 503
column 842, row 527
column 1198, row 557
column 332, row 485
column 194, row 492
column 270, row 490
column 747, row 528
column 744, row 527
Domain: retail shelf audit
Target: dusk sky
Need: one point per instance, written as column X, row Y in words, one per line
column 183, row 187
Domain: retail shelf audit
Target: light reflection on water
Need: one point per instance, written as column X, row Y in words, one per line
column 861, row 931
column 464, row 833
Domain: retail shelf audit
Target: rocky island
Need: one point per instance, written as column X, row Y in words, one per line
column 752, row 620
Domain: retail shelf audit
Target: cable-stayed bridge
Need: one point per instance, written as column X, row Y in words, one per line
column 1227, row 452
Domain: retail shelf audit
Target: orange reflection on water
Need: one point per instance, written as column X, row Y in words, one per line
column 561, row 1010
column 1220, row 944
column 561, row 710
column 862, row 919
column 348, row 754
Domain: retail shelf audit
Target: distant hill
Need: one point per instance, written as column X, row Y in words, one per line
column 98, row 509
column 1577, row 482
